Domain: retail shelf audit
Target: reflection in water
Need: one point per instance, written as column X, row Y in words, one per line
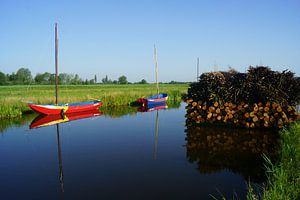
column 16, row 122
column 238, row 150
column 47, row 120
column 156, row 136
column 150, row 108
column 61, row 174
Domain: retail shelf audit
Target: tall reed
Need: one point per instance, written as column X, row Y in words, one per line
column 284, row 176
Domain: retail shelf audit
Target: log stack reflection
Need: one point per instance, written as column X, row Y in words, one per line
column 239, row 150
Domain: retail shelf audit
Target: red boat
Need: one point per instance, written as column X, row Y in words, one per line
column 55, row 109
column 159, row 98
column 153, row 100
column 47, row 120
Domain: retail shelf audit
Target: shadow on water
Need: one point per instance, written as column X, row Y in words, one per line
column 239, row 150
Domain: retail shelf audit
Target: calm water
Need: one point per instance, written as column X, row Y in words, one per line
column 143, row 155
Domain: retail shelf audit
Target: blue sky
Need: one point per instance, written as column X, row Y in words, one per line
column 116, row 38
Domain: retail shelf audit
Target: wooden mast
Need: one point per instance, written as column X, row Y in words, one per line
column 156, row 71
column 197, row 68
column 56, row 63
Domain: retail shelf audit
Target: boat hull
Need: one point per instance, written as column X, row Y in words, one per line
column 52, row 109
column 153, row 100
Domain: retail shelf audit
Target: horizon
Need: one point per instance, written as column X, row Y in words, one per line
column 117, row 38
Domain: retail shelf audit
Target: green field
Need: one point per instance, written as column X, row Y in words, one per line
column 12, row 98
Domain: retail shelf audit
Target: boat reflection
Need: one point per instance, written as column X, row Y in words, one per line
column 47, row 120
column 238, row 150
column 151, row 108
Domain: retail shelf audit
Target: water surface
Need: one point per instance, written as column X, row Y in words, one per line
column 140, row 155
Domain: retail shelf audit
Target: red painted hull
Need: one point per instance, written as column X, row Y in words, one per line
column 47, row 120
column 65, row 108
column 153, row 100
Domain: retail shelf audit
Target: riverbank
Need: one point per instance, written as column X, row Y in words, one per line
column 12, row 98
column 284, row 176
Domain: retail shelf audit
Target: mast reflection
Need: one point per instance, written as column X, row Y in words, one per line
column 156, row 108
column 48, row 120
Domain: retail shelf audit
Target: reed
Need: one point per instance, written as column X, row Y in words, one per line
column 12, row 98
column 283, row 176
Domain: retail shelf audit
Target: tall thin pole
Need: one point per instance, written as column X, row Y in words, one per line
column 61, row 174
column 56, row 63
column 156, row 136
column 156, row 71
column 198, row 69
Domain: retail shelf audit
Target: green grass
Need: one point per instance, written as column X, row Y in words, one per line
column 284, row 176
column 12, row 98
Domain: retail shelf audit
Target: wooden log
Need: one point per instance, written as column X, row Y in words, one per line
column 255, row 119
column 274, row 105
column 211, row 109
column 246, row 115
column 266, row 109
column 209, row 115
column 279, row 109
column 194, row 104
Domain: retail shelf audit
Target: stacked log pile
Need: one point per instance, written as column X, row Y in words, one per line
column 259, row 98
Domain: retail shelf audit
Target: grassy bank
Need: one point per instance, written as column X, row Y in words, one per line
column 284, row 176
column 12, row 98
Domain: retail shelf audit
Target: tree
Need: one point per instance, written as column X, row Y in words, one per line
column 143, row 81
column 42, row 78
column 105, row 80
column 92, row 81
column 122, row 80
column 95, row 78
column 3, row 80
column 12, row 78
column 76, row 80
column 23, row 76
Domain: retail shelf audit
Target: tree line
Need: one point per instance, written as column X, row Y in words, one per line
column 23, row 76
